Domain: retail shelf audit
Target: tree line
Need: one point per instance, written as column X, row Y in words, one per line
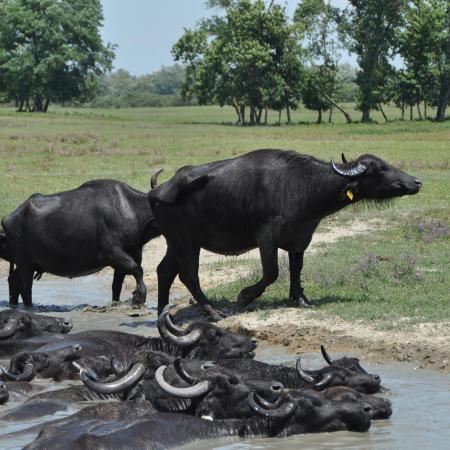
column 253, row 57
column 250, row 56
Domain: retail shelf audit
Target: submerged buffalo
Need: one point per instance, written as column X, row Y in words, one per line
column 78, row 232
column 21, row 325
column 266, row 199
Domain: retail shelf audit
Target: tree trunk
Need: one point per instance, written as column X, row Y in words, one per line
column 236, row 108
column 46, row 103
column 425, row 109
column 333, row 103
column 258, row 117
column 319, row 117
column 288, row 113
column 411, row 113
column 252, row 115
column 20, row 106
column 330, row 116
column 442, row 104
column 279, row 117
column 266, row 113
column 419, row 112
column 382, row 112
column 403, row 111
column 365, row 115
column 243, row 114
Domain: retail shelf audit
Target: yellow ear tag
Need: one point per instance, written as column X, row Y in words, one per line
column 350, row 194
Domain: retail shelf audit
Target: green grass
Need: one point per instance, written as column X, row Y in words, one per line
column 60, row 150
column 392, row 279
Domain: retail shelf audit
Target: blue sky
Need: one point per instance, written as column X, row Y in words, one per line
column 145, row 30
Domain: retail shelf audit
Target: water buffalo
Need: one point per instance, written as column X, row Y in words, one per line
column 56, row 364
column 266, row 199
column 21, row 325
column 78, row 232
column 131, row 425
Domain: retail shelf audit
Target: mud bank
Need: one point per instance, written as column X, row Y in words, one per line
column 299, row 331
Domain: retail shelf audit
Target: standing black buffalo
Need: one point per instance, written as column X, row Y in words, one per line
column 268, row 199
column 74, row 233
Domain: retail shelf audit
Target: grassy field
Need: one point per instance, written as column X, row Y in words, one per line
column 398, row 275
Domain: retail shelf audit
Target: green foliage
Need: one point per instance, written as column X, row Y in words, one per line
column 120, row 89
column 251, row 59
column 50, row 51
column 315, row 82
column 368, row 28
column 425, row 46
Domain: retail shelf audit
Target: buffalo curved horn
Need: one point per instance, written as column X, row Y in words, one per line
column 27, row 374
column 344, row 159
column 325, row 355
column 353, row 172
column 175, row 329
column 325, row 381
column 282, row 412
column 182, row 373
column 181, row 341
column 131, row 378
column 9, row 329
column 303, row 375
column 196, row 390
column 154, row 179
column 266, row 404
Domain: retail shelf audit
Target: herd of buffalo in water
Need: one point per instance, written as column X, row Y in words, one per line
column 193, row 382
column 199, row 381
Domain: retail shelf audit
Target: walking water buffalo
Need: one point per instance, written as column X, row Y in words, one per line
column 78, row 232
column 266, row 199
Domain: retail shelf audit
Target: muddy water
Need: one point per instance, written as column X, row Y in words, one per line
column 421, row 398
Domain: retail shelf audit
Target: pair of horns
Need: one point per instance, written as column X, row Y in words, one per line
column 90, row 379
column 196, row 390
column 9, row 329
column 305, row 376
column 27, row 374
column 263, row 408
column 354, row 171
column 175, row 334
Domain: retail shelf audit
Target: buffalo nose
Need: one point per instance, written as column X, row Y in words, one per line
column 418, row 183
column 376, row 378
column 254, row 341
column 367, row 408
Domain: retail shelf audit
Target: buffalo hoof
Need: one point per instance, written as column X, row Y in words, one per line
column 213, row 314
column 303, row 302
column 242, row 301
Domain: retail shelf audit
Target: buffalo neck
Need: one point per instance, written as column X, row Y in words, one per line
column 322, row 191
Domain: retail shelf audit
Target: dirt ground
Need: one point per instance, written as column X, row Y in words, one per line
column 299, row 330
column 427, row 345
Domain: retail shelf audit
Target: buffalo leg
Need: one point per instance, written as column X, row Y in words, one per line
column 296, row 291
column 13, row 284
column 188, row 272
column 117, row 285
column 26, row 284
column 269, row 261
column 167, row 271
column 124, row 263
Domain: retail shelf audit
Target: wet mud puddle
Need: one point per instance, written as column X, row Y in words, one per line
column 420, row 397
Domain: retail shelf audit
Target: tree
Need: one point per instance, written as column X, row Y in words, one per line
column 313, row 87
column 317, row 22
column 368, row 28
column 50, row 51
column 248, row 58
